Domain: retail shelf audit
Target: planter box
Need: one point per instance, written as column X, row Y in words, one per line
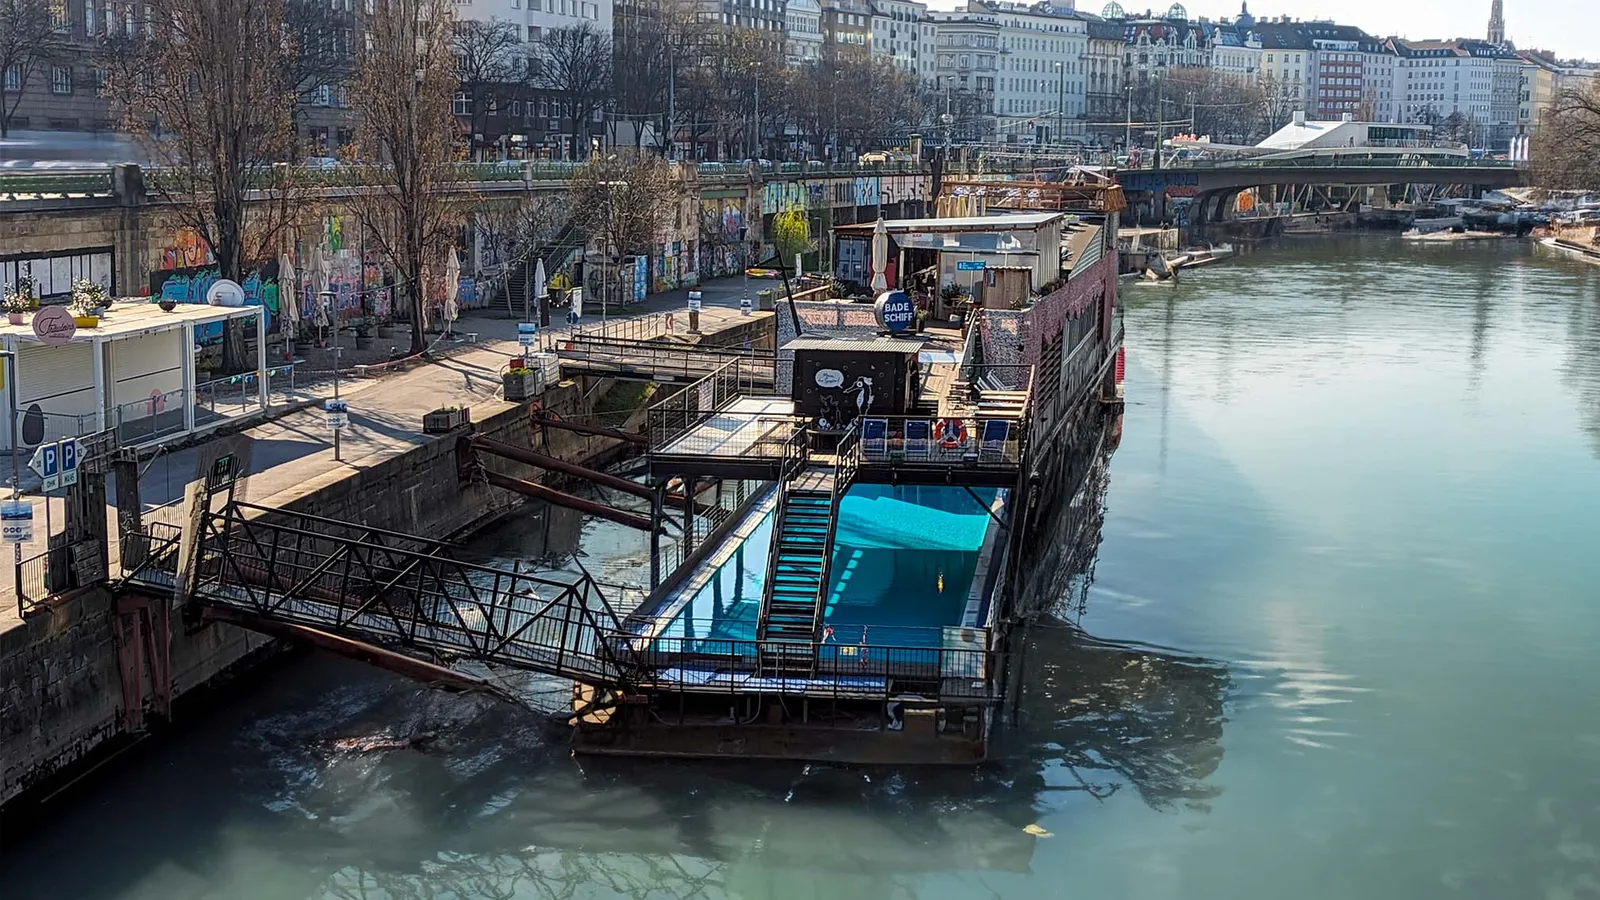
column 444, row 421
column 523, row 386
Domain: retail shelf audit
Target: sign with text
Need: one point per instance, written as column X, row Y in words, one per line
column 57, row 464
column 744, row 306
column 694, row 301
column 895, row 311
column 16, row 522
column 527, row 333
column 338, row 413
column 54, row 325
column 971, row 265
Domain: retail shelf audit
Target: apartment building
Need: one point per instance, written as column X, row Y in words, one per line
column 967, row 57
column 1041, row 85
column 802, row 31
column 897, row 33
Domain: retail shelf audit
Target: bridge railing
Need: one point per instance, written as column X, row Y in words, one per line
column 390, row 588
column 670, row 419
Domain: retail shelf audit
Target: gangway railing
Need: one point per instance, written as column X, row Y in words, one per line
column 657, row 360
column 676, row 415
column 393, row 589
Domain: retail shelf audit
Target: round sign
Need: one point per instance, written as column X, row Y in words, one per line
column 54, row 325
column 225, row 292
column 895, row 311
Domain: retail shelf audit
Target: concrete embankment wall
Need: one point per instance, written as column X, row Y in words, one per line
column 61, row 692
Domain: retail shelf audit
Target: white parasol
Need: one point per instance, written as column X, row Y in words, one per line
column 880, row 256
column 288, row 296
column 541, row 285
column 318, row 272
column 452, row 288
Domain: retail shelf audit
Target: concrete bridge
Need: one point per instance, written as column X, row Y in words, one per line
column 1215, row 183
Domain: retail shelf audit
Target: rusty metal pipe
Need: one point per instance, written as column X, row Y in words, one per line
column 561, row 498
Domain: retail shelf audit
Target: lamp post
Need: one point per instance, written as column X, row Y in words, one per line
column 327, row 298
column 1061, row 100
column 1127, row 140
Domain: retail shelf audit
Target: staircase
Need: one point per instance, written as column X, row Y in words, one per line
column 794, row 598
column 555, row 255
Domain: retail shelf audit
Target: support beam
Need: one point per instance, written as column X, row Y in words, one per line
column 596, row 430
column 560, row 498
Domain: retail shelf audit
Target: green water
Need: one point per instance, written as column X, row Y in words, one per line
column 1340, row 642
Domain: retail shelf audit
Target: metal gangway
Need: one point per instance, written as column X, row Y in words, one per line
column 387, row 589
column 650, row 348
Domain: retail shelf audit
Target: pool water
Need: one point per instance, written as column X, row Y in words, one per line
column 904, row 559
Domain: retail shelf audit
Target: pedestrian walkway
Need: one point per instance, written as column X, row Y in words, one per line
column 294, row 450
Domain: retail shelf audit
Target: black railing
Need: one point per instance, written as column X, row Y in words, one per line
column 392, row 588
column 796, row 455
column 678, row 414
column 57, row 570
column 848, row 667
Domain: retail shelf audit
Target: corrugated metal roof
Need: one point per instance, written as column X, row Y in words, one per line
column 857, row 345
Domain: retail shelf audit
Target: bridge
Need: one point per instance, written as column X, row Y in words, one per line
column 256, row 565
column 1209, row 176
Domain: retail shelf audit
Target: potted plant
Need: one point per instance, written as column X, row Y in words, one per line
column 363, row 333
column 83, row 312
column 90, row 296
column 522, row 383
column 16, row 303
column 446, row 419
column 167, row 305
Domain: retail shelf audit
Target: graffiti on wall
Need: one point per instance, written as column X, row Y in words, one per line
column 190, row 284
column 186, row 250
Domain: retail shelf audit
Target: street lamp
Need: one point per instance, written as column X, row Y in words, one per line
column 1061, row 99
column 328, row 301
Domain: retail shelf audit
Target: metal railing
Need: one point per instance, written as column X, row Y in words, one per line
column 796, row 455
column 57, row 570
column 677, row 415
column 659, row 360
column 392, row 588
column 853, row 662
column 157, row 416
column 963, row 441
column 150, row 555
column 28, row 185
column 996, row 376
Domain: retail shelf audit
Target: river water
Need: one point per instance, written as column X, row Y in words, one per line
column 1340, row 641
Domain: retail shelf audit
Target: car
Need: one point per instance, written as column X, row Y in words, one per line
column 322, row 162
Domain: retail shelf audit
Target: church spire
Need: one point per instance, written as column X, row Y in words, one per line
column 1497, row 23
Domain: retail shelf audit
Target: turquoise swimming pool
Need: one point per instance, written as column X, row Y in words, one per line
column 903, row 563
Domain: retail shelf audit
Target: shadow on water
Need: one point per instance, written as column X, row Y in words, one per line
column 376, row 787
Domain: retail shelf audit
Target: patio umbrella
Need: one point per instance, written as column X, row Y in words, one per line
column 880, row 256
column 318, row 272
column 452, row 288
column 288, row 296
column 540, row 284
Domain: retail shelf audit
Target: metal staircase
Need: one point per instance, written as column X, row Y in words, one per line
column 555, row 255
column 800, row 562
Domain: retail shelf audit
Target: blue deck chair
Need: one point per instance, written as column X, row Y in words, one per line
column 995, row 433
column 875, row 438
column 918, row 443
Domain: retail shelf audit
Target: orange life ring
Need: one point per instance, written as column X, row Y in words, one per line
column 952, row 433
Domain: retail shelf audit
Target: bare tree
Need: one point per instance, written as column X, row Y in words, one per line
column 30, row 37
column 225, row 122
column 576, row 63
column 404, row 82
column 624, row 200
column 654, row 43
column 491, row 61
column 1566, row 146
column 321, row 37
